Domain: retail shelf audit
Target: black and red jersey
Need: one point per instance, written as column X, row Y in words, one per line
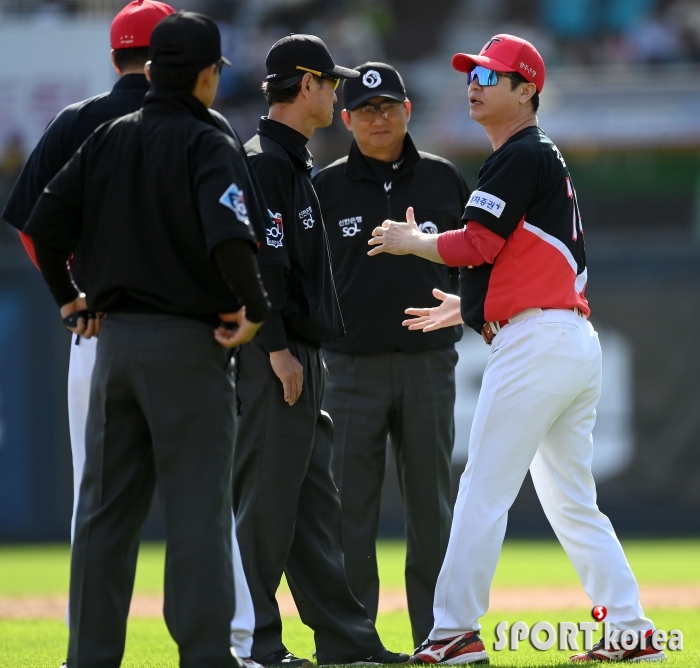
column 526, row 196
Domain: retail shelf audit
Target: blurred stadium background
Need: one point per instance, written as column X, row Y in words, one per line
column 622, row 101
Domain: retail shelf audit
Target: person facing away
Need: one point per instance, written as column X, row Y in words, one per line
column 156, row 203
column 130, row 34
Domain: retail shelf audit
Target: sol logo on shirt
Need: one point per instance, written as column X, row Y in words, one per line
column 275, row 232
column 350, row 226
column 234, row 199
column 428, row 227
column 307, row 219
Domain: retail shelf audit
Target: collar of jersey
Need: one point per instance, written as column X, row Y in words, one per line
column 292, row 141
column 173, row 102
column 131, row 81
column 358, row 168
column 530, row 130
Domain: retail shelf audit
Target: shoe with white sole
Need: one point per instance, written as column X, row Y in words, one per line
column 464, row 648
column 284, row 659
column 644, row 651
column 251, row 663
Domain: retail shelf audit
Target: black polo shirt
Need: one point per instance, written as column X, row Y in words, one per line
column 296, row 238
column 62, row 138
column 357, row 194
column 148, row 197
column 69, row 129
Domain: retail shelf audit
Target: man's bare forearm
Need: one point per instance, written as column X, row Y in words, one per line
column 425, row 246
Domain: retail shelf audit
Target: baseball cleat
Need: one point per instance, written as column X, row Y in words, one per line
column 383, row 658
column 644, row 651
column 251, row 663
column 464, row 648
column 285, row 659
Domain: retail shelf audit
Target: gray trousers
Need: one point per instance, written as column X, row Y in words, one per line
column 409, row 397
column 161, row 414
column 287, row 509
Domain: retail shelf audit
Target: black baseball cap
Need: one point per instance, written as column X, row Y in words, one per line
column 186, row 39
column 374, row 80
column 294, row 55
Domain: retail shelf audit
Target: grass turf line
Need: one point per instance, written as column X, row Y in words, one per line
column 43, row 569
column 42, row 643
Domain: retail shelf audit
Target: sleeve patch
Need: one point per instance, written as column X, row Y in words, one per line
column 487, row 202
column 234, row 199
column 275, row 230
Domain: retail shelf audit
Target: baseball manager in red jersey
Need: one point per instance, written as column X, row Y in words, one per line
column 522, row 281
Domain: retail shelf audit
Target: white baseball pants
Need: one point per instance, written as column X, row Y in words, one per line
column 81, row 363
column 536, row 410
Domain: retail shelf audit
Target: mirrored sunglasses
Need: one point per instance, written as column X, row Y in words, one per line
column 485, row 76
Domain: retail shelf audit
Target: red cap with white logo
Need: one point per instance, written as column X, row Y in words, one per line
column 506, row 53
column 132, row 27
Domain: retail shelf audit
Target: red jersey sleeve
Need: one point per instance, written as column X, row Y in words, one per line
column 29, row 247
column 471, row 246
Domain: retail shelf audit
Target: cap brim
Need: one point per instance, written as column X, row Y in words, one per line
column 343, row 73
column 466, row 62
column 360, row 99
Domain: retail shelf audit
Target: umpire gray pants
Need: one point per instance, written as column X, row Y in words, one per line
column 287, row 509
column 161, row 414
column 409, row 397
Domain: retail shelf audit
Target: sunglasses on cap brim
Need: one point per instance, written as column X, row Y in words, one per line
column 334, row 80
column 485, row 76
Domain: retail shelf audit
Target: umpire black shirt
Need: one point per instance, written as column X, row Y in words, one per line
column 69, row 129
column 149, row 196
column 304, row 301
column 64, row 135
column 357, row 194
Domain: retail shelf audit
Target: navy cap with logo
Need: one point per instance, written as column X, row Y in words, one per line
column 294, row 55
column 375, row 80
column 186, row 39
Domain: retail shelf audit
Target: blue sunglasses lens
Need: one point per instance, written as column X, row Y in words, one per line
column 485, row 76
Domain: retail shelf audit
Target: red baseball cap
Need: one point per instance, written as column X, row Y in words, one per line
column 132, row 27
column 506, row 53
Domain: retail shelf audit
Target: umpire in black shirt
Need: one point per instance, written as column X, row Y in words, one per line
column 384, row 379
column 156, row 201
column 286, row 504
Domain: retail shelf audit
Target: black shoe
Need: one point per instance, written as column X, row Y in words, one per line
column 284, row 658
column 381, row 658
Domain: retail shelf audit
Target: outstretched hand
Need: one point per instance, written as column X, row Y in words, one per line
column 240, row 329
column 394, row 238
column 447, row 314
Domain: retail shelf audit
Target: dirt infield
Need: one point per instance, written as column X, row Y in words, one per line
column 507, row 600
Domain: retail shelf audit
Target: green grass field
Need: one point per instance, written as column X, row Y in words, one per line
column 33, row 571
